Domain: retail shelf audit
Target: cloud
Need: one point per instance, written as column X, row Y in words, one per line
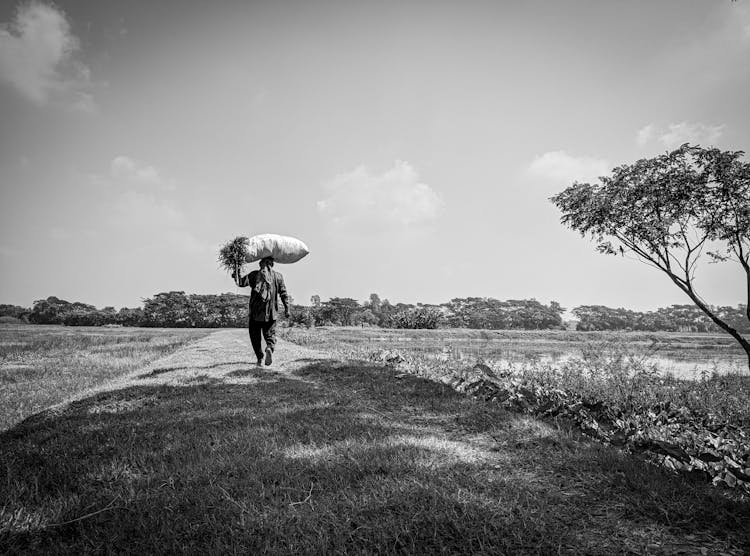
column 83, row 102
column 645, row 135
column 559, row 166
column 127, row 169
column 134, row 211
column 685, row 132
column 361, row 203
column 37, row 56
column 739, row 22
column 675, row 135
column 184, row 241
column 153, row 223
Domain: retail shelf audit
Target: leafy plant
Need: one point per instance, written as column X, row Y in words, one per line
column 232, row 255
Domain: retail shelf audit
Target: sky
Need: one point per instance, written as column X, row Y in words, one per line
column 412, row 145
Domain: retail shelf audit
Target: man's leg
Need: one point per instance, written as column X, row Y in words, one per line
column 269, row 334
column 255, row 329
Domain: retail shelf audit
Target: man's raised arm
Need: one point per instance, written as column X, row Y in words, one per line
column 242, row 281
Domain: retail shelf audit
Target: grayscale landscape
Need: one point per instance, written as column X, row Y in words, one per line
column 352, row 277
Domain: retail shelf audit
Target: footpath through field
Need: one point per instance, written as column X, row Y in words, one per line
column 224, row 356
column 202, row 452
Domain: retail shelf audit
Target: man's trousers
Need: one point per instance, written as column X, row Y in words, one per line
column 268, row 329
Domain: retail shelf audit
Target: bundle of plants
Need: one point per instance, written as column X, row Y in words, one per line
column 233, row 254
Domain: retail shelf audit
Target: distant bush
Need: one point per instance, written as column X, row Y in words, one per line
column 418, row 317
column 14, row 311
column 11, row 320
column 675, row 318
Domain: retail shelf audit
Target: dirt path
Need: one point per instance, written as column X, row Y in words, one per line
column 225, row 356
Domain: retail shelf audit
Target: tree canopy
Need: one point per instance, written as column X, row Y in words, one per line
column 671, row 211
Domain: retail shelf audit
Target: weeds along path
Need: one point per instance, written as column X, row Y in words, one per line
column 202, row 452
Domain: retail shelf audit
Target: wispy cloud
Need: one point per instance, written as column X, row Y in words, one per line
column 361, row 203
column 739, row 22
column 134, row 209
column 126, row 169
column 559, row 166
column 157, row 222
column 674, row 135
column 38, row 57
column 645, row 134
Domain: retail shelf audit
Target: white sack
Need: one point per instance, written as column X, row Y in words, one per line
column 283, row 249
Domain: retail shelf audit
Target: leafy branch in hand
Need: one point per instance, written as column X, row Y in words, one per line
column 232, row 255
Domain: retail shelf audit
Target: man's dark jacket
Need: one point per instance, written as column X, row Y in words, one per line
column 266, row 311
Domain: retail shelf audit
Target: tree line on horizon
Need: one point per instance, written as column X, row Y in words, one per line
column 176, row 309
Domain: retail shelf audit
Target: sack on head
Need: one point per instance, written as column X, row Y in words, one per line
column 283, row 249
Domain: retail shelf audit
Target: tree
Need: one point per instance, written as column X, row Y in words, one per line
column 301, row 316
column 669, row 211
column 417, row 317
column 130, row 317
column 384, row 316
column 14, row 311
column 49, row 311
column 374, row 303
column 169, row 309
column 367, row 317
column 342, row 309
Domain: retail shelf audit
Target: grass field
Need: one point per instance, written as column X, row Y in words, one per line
column 337, row 457
column 683, row 354
column 44, row 365
column 619, row 368
column 329, row 455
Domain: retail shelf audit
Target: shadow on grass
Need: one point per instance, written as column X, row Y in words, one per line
column 348, row 460
column 162, row 370
column 257, row 372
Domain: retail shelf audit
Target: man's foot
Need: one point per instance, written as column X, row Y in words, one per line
column 260, row 362
column 269, row 356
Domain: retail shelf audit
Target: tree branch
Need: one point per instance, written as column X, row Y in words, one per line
column 650, row 261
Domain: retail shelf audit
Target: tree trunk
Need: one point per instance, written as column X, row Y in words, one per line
column 720, row 323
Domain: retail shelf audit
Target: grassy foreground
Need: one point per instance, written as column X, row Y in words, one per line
column 44, row 365
column 338, row 458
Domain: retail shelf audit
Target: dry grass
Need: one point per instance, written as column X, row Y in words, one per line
column 44, row 365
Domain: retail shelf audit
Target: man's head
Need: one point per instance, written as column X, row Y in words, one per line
column 266, row 262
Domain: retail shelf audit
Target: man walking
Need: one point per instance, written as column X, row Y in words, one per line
column 267, row 286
